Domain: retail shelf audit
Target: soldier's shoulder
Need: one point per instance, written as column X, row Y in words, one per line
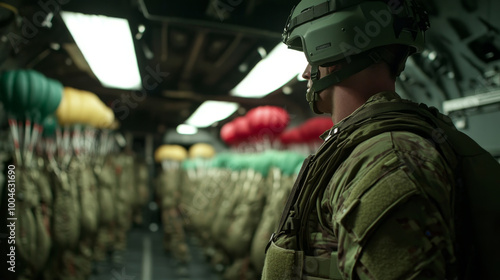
column 414, row 145
column 396, row 141
column 388, row 149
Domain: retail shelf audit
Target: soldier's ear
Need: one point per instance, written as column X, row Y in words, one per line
column 334, row 68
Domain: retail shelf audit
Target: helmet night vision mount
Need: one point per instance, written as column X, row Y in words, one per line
column 354, row 33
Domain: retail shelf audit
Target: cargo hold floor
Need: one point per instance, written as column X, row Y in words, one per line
column 145, row 259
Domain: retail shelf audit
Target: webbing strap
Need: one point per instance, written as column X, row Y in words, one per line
column 310, row 14
column 320, row 10
column 464, row 147
column 322, row 268
column 349, row 67
column 357, row 64
column 380, row 109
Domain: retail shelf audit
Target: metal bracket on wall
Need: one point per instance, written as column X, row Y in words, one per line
column 473, row 101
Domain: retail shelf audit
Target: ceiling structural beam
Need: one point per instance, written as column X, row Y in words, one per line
column 190, row 95
column 221, row 27
column 164, row 42
column 76, row 55
column 193, row 57
column 224, row 63
column 250, row 9
column 37, row 59
column 30, row 55
column 229, row 50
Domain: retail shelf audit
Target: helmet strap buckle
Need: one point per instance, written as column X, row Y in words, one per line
column 312, row 94
column 375, row 56
column 315, row 73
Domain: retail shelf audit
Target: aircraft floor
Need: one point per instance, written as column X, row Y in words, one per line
column 145, row 259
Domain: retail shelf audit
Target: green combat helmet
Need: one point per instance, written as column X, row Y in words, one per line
column 353, row 33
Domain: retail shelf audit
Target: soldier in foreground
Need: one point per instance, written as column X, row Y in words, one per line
column 377, row 200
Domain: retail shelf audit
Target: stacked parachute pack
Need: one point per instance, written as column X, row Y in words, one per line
column 70, row 200
column 236, row 206
column 169, row 193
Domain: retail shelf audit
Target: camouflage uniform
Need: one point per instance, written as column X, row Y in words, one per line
column 141, row 191
column 124, row 189
column 105, row 182
column 385, row 213
column 169, row 190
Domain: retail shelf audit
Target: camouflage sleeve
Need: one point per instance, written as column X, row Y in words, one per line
column 392, row 211
column 170, row 188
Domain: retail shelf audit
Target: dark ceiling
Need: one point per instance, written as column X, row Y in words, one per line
column 204, row 48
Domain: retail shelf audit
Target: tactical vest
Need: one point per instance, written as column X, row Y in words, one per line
column 478, row 184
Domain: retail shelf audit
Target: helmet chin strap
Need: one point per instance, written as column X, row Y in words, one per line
column 318, row 85
column 357, row 64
